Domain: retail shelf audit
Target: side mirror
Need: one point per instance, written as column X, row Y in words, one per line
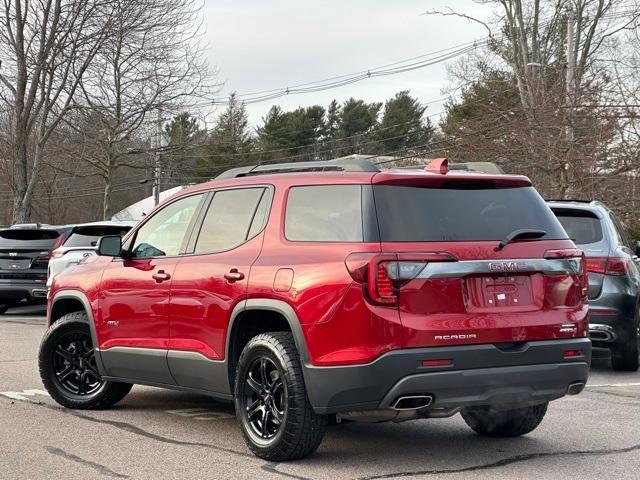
column 637, row 249
column 110, row 246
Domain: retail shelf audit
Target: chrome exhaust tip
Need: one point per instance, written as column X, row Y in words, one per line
column 412, row 402
column 575, row 388
column 39, row 293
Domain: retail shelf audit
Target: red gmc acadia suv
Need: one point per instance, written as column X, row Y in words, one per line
column 332, row 290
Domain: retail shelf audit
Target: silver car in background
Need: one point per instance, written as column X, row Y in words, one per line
column 81, row 243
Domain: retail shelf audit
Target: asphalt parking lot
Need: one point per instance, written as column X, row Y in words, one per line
column 157, row 434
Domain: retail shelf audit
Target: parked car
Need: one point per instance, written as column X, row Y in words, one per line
column 613, row 278
column 24, row 255
column 331, row 289
column 81, row 243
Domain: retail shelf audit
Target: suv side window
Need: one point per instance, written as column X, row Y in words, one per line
column 620, row 233
column 162, row 235
column 324, row 213
column 229, row 218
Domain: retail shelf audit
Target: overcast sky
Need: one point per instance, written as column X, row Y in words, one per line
column 268, row 44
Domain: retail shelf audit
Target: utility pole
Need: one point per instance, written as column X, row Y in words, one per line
column 571, row 74
column 571, row 99
column 156, row 168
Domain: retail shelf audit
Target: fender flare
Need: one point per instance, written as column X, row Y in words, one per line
column 82, row 298
column 279, row 306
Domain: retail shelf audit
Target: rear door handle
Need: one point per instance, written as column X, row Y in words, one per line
column 234, row 275
column 161, row 276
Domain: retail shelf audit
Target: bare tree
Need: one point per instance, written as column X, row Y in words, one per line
column 552, row 50
column 151, row 65
column 45, row 49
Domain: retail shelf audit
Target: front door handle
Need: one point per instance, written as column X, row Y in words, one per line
column 234, row 275
column 161, row 276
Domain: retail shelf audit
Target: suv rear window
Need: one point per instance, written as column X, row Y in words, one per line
column 465, row 212
column 324, row 213
column 35, row 239
column 582, row 226
column 89, row 236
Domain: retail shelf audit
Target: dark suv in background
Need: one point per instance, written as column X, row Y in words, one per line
column 613, row 278
column 24, row 256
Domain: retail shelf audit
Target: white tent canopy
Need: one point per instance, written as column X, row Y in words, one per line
column 138, row 210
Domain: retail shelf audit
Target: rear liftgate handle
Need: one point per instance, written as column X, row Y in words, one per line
column 234, row 275
column 161, row 276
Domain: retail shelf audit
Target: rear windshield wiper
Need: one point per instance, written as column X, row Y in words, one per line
column 523, row 234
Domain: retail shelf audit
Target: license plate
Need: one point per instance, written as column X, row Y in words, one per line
column 14, row 264
column 502, row 292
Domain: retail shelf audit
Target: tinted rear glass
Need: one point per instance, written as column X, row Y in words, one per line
column 581, row 226
column 30, row 239
column 89, row 236
column 460, row 213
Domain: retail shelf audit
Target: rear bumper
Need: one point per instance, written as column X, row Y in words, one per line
column 31, row 292
column 500, row 376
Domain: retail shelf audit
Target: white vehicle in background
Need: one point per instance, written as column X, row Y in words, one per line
column 81, row 243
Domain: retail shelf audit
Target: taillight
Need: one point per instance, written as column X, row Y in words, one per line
column 382, row 275
column 617, row 266
column 579, row 263
column 608, row 266
column 57, row 254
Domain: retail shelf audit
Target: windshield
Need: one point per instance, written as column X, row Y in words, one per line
column 468, row 212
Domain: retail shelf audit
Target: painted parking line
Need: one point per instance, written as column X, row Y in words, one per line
column 200, row 414
column 24, row 394
column 615, row 385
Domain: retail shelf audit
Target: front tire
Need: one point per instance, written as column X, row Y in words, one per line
column 68, row 367
column 506, row 423
column 273, row 411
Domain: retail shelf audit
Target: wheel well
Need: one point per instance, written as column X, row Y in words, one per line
column 247, row 325
column 64, row 306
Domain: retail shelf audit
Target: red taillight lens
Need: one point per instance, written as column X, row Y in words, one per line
column 579, row 262
column 383, row 274
column 59, row 242
column 597, row 265
column 608, row 266
column 617, row 266
column 384, row 286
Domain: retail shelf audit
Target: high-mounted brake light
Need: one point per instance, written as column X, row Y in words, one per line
column 438, row 165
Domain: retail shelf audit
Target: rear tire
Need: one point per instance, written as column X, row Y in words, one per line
column 68, row 367
column 625, row 357
column 272, row 408
column 507, row 423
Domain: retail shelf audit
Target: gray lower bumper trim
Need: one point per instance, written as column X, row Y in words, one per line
column 487, row 370
column 498, row 387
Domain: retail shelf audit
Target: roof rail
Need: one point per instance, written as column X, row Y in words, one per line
column 347, row 165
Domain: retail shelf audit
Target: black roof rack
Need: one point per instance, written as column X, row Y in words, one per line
column 347, row 165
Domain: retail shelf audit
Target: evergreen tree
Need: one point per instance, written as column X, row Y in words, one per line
column 403, row 126
column 230, row 140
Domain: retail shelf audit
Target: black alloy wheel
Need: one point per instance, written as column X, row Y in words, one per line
column 68, row 366
column 264, row 398
column 74, row 364
column 274, row 414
